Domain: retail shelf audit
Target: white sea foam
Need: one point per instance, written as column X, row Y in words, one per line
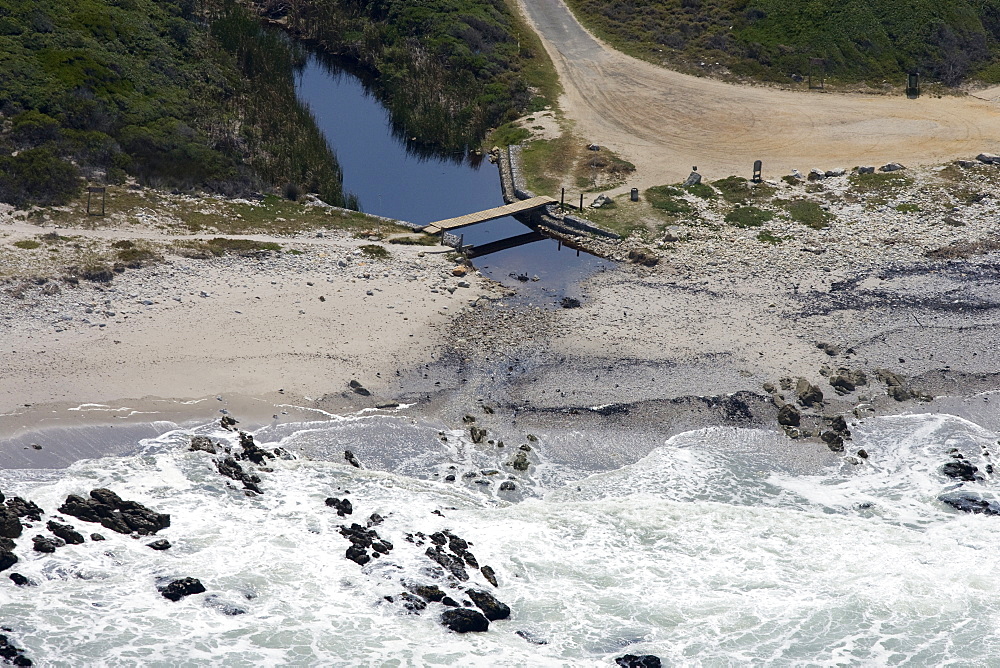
column 707, row 552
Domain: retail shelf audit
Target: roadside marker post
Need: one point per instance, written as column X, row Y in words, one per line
column 95, row 190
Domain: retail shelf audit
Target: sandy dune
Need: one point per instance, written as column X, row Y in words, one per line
column 665, row 122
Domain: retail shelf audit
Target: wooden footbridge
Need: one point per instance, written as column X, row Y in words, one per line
column 489, row 214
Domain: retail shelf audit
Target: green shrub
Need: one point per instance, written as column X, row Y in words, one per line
column 375, row 251
column 702, row 190
column 222, row 245
column 37, row 177
column 27, row 244
column 907, row 207
column 808, row 213
column 665, row 198
column 748, row 216
column 769, row 237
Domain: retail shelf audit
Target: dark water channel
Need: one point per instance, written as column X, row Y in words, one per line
column 406, row 183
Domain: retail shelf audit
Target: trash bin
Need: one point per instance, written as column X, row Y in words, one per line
column 634, row 195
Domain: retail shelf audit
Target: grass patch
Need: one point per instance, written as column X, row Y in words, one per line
column 543, row 163
column 28, row 244
column 416, row 240
column 508, row 134
column 737, row 190
column 878, row 187
column 220, row 246
column 808, row 213
column 748, row 216
column 702, row 190
column 375, row 251
column 768, row 237
column 666, row 198
column 907, row 207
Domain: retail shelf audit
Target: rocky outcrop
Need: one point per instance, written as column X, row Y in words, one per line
column 204, row 444
column 491, row 607
column 7, row 559
column 845, row 381
column 252, row 451
column 10, row 525
column 46, row 544
column 897, row 386
column 362, row 540
column 960, row 470
column 807, row 393
column 430, row 593
column 342, row 506
column 20, row 580
column 970, row 503
column 66, row 532
column 178, row 589
column 351, row 459
column 465, row 620
column 24, row 508
column 450, row 563
column 490, row 575
column 159, row 545
column 110, row 511
column 789, row 416
column 232, row 469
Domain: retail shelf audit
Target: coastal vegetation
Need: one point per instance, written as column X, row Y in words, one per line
column 176, row 94
column 774, row 40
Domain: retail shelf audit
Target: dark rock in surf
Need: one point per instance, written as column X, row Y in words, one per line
column 358, row 555
column 23, row 508
column 7, row 544
column 228, row 422
column 7, row 559
column 66, row 532
column 477, row 434
column 450, row 602
column 839, row 425
column 97, row 537
column 112, row 512
column 362, row 539
column 252, row 451
column 20, row 580
column 639, row 661
column 10, row 525
column 359, row 389
column 491, row 607
column 490, row 575
column 464, row 620
column 789, row 416
column 453, row 564
column 833, row 440
column 520, row 462
column 159, row 545
column 343, row 507
column 178, row 589
column 232, row 469
column 431, row 593
column 960, row 470
column 530, row 637
column 202, row 443
column 46, row 544
column 414, row 604
column 12, row 654
column 351, row 459
column 970, row 503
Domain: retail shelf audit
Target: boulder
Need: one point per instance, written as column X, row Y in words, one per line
column 520, row 462
column 693, row 179
column 342, row 506
column 833, row 440
column 816, row 175
column 12, row 654
column 808, row 393
column 839, row 425
column 491, row 607
column 202, row 443
column 960, row 470
column 178, row 589
column 431, row 593
column 643, row 256
column 228, row 422
column 891, row 167
column 359, row 389
column 351, row 459
column 477, row 434
column 20, row 580
column 252, row 451
column 66, row 532
column 865, row 170
column 108, row 509
column 490, row 575
column 232, row 469
column 47, row 545
column 639, row 661
column 970, row 503
column 10, row 525
column 465, row 620
column 570, row 302
column 7, row 559
column 830, row 173
column 460, row 270
column 159, row 545
column 601, row 201
column 97, row 537
column 988, row 159
column 789, row 416
column 453, row 564
column 6, row 544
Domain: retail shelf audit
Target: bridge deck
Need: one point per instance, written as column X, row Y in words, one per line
column 489, row 214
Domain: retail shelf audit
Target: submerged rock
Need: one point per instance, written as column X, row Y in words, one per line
column 232, row 469
column 490, row 575
column 202, row 443
column 464, row 620
column 351, row 459
column 639, row 661
column 47, row 545
column 178, row 589
column 970, row 503
column 960, row 470
column 12, row 654
column 20, row 580
column 431, row 593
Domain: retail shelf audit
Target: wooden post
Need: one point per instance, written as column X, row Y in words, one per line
column 95, row 190
column 562, row 200
column 581, row 202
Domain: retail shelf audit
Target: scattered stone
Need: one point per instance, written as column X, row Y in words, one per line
column 491, row 607
column 351, row 459
column 891, row 167
column 640, row 661
column 228, row 422
column 477, row 434
column 530, row 637
column 178, row 589
column 839, row 425
column 789, row 416
column 570, row 302
column 988, row 159
column 66, row 532
column 464, row 620
column 846, row 381
column 863, row 454
column 159, row 545
column 343, row 507
column 431, row 593
column 412, row 603
column 601, row 201
column 468, row 419
column 47, row 545
column 362, row 539
column 865, row 170
column 359, row 388
column 202, row 443
column 835, row 172
column 97, row 537
column 507, row 486
column 108, row 509
column 693, row 179
column 451, row 563
column 519, row 462
column 460, row 270
column 643, row 256
column 816, row 175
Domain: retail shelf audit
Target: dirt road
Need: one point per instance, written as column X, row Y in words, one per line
column 665, row 122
